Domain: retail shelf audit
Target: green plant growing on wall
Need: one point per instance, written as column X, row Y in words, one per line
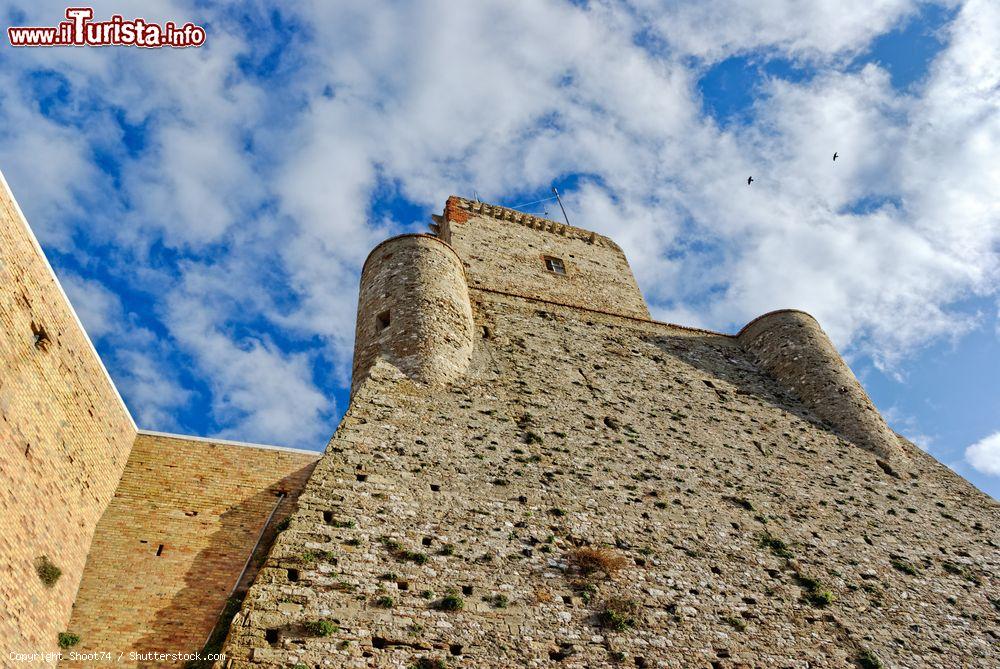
column 619, row 614
column 815, row 593
column 385, row 602
column 391, row 544
column 735, row 622
column 498, row 601
column 429, row 663
column 902, row 565
column 414, row 556
column 321, row 627
column 868, row 660
column 777, row 546
column 68, row 640
column 47, row 571
column 451, row 602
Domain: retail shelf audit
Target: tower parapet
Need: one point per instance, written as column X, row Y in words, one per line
column 414, row 311
column 511, row 252
column 792, row 347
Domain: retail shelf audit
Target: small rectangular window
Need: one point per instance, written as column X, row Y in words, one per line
column 382, row 321
column 555, row 265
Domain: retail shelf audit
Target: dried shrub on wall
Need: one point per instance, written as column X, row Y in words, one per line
column 589, row 561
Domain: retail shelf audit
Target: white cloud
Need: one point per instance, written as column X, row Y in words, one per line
column 263, row 185
column 815, row 29
column 984, row 455
column 98, row 308
column 259, row 392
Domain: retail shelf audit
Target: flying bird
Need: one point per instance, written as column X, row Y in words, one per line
column 835, row 154
column 749, row 180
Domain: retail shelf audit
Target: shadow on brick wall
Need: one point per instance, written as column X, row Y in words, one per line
column 199, row 612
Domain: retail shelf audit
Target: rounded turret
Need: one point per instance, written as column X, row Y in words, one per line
column 414, row 311
column 791, row 347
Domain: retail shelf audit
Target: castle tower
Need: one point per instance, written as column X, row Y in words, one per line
column 532, row 472
column 414, row 311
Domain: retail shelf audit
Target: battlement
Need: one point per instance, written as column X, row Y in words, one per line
column 460, row 210
column 517, row 253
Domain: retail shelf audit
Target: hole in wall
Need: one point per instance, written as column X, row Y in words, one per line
column 361, row 477
column 561, row 654
column 567, row 599
column 40, row 337
column 455, row 649
column 436, row 487
column 486, row 333
column 328, row 516
column 159, row 551
column 426, row 541
column 379, row 642
column 271, row 636
column 403, row 585
column 382, row 321
column 293, row 575
column 466, row 589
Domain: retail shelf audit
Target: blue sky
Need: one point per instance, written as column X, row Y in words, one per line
column 208, row 210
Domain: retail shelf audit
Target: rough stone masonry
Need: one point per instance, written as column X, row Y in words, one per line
column 533, row 473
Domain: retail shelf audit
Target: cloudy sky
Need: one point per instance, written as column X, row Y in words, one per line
column 208, row 210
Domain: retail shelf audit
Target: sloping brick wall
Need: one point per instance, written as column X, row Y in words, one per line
column 64, row 438
column 173, row 541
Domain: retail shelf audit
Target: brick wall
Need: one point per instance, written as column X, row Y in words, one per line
column 205, row 503
column 64, row 438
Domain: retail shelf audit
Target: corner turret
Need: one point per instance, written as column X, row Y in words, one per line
column 792, row 347
column 414, row 311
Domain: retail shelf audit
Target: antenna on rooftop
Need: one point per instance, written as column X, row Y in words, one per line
column 476, row 195
column 559, row 200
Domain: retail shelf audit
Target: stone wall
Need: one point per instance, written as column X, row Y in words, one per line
column 505, row 250
column 64, row 438
column 792, row 347
column 174, row 540
column 414, row 311
column 601, row 491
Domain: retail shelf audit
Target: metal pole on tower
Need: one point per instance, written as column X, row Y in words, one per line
column 559, row 200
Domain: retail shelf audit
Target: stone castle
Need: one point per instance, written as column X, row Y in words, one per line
column 532, row 473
